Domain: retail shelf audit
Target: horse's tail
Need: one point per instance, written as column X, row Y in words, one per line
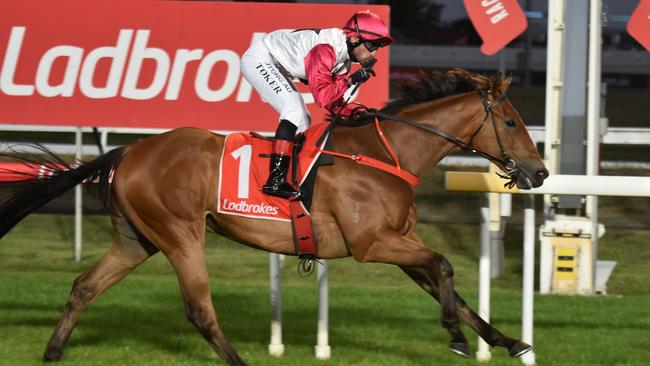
column 47, row 177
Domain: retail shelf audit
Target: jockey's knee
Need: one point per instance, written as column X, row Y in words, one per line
column 296, row 115
column 286, row 130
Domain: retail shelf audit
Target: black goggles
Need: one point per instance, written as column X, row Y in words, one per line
column 373, row 45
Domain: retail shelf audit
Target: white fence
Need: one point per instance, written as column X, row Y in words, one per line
column 555, row 184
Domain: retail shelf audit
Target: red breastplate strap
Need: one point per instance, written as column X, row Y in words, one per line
column 396, row 169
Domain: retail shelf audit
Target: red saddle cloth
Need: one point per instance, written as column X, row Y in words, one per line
column 243, row 171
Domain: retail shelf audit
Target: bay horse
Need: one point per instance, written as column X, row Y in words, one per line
column 163, row 197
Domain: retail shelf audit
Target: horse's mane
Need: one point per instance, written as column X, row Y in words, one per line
column 434, row 85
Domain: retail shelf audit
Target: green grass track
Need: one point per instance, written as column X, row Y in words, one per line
column 377, row 316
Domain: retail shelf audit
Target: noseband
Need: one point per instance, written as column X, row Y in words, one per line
column 512, row 171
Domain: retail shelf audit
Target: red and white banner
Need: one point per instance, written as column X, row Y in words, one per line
column 497, row 22
column 639, row 24
column 149, row 63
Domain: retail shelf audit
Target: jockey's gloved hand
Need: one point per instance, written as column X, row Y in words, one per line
column 368, row 63
column 359, row 113
column 361, row 75
column 356, row 116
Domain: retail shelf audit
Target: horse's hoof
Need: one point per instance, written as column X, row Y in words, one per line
column 52, row 355
column 519, row 349
column 460, row 348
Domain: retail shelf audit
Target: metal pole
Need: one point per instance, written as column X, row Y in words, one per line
column 529, row 278
column 276, row 348
column 483, row 352
column 593, row 119
column 496, row 236
column 528, row 42
column 104, row 139
column 505, row 204
column 554, row 84
column 322, row 350
column 77, row 199
column 505, row 209
column 502, row 61
column 496, row 232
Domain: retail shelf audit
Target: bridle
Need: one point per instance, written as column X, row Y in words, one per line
column 512, row 171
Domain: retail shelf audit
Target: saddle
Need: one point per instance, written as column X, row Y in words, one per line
column 244, row 169
column 299, row 206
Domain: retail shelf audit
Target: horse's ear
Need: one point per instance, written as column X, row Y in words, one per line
column 495, row 83
column 505, row 84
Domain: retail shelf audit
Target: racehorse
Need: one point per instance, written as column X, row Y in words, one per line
column 163, row 196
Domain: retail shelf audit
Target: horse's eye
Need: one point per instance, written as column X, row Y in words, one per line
column 511, row 123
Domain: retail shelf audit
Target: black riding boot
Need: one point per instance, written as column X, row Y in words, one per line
column 277, row 184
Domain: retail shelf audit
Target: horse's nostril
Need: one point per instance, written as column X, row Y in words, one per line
column 542, row 173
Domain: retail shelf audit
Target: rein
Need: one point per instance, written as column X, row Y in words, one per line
column 487, row 106
column 512, row 171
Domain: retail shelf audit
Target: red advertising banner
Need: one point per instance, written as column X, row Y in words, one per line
column 639, row 24
column 149, row 63
column 497, row 22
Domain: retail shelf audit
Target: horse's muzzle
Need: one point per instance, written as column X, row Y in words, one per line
column 528, row 181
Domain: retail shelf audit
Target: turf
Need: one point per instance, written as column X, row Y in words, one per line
column 377, row 316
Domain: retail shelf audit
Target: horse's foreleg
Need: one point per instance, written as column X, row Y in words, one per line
column 189, row 263
column 410, row 254
column 484, row 329
column 124, row 256
column 425, row 279
column 489, row 333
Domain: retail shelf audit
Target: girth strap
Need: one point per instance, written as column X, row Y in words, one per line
column 303, row 234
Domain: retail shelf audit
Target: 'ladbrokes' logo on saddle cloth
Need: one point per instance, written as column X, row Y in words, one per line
column 242, row 173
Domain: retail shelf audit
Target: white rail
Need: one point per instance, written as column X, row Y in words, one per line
column 595, row 185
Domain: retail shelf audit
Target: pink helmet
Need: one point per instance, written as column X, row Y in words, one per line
column 368, row 26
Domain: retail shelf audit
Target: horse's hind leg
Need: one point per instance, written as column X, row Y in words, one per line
column 189, row 263
column 126, row 253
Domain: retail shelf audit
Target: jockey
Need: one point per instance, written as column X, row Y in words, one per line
column 320, row 58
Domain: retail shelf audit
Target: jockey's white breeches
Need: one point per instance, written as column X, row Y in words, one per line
column 260, row 70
